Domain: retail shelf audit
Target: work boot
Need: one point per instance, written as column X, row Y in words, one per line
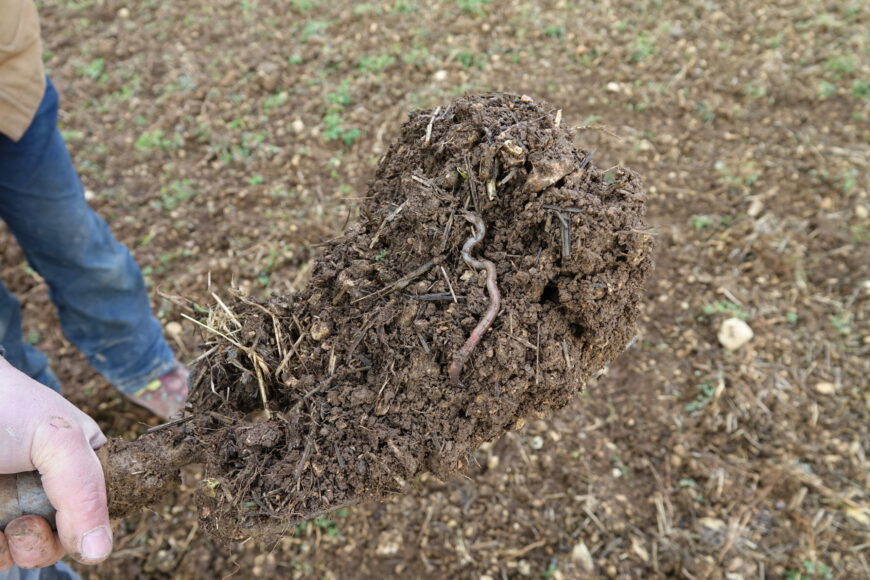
column 166, row 395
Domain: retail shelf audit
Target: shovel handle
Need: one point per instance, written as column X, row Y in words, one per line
column 21, row 494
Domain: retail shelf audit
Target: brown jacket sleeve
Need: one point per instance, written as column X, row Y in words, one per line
column 22, row 78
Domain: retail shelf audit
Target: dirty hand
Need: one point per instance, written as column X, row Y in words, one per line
column 40, row 430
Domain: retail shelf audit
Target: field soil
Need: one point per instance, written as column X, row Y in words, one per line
column 229, row 143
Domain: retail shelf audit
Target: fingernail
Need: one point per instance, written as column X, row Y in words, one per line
column 97, row 543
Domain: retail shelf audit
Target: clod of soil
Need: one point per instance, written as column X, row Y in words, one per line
column 309, row 402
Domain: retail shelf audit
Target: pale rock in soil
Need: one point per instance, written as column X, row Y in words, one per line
column 440, row 75
column 173, row 329
column 755, row 208
column 613, row 87
column 826, row 388
column 734, row 333
column 580, row 554
column 389, row 543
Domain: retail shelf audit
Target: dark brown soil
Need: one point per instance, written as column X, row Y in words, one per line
column 749, row 124
column 313, row 401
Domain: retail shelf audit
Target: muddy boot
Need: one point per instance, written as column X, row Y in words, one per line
column 166, row 395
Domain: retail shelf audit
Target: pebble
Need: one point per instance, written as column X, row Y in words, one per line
column 298, row 126
column 734, row 333
column 173, row 328
column 613, row 87
column 580, row 554
column 826, row 388
column 90, row 195
column 440, row 75
column 536, row 442
column 861, row 212
column 755, row 208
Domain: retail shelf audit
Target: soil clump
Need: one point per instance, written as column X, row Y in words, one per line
column 308, row 402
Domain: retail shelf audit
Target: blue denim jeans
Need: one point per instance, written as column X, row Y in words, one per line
column 94, row 282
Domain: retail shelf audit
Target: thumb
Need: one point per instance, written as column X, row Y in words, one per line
column 73, row 481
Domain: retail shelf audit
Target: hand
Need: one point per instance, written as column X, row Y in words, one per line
column 40, row 430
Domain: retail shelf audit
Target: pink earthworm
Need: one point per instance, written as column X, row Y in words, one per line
column 461, row 356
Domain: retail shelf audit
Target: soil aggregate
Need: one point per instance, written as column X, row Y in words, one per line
column 308, row 402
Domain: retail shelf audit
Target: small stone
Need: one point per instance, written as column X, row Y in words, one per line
column 492, row 462
column 536, row 442
column 861, row 212
column 298, row 126
column 524, row 568
column 826, row 388
column 268, row 74
column 389, row 543
column 580, row 554
column 613, row 87
column 90, row 195
column 734, row 333
column 173, row 329
column 124, row 13
column 440, row 76
column 617, row 472
column 714, row 524
column 320, row 330
column 755, row 208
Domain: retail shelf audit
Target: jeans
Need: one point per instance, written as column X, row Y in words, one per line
column 101, row 298
column 94, row 282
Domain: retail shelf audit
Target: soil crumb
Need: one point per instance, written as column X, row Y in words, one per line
column 309, row 402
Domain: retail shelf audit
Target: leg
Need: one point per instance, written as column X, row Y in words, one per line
column 19, row 353
column 94, row 282
column 59, row 571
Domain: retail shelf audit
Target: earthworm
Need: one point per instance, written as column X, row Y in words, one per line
column 460, row 356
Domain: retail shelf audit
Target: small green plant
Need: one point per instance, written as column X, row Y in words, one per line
column 404, row 6
column 375, row 63
column 274, row 101
column 701, row 221
column 93, row 70
column 812, row 571
column 302, row 5
column 641, row 49
column 842, row 323
column 336, row 131
column 366, row 8
column 861, row 89
column 341, row 97
column 706, row 391
column 381, row 255
column 550, row 572
column 256, row 180
column 791, row 318
column 473, row 7
column 176, row 193
column 470, row 59
column 840, row 65
column 157, row 139
column 725, row 307
column 826, row 90
column 557, row 32
column 314, row 28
